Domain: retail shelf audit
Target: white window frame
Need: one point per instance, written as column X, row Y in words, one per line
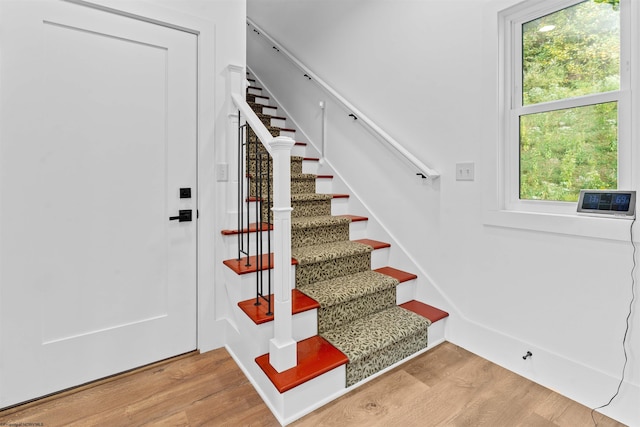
column 552, row 216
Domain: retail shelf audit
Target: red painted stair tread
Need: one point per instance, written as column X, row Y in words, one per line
column 425, row 310
column 373, row 243
column 355, row 218
column 253, row 227
column 316, row 356
column 401, row 276
column 240, row 266
column 258, row 313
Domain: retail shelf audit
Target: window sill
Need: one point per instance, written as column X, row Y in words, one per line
column 569, row 224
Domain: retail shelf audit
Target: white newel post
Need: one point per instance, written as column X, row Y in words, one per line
column 282, row 347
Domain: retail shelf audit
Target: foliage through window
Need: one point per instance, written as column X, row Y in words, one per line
column 566, row 99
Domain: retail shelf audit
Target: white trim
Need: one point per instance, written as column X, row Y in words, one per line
column 573, row 224
column 118, row 11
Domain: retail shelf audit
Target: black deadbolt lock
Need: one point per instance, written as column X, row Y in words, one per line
column 185, row 193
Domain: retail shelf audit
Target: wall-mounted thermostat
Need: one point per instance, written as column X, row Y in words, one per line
column 608, row 203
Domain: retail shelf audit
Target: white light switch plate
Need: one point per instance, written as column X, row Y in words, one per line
column 465, row 171
column 222, row 172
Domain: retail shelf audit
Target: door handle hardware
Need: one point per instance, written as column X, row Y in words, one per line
column 184, row 215
column 185, row 193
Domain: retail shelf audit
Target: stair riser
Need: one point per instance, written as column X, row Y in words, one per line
column 231, row 244
column 272, row 111
column 257, row 99
column 296, row 167
column 310, row 208
column 311, row 166
column 357, row 230
column 254, row 91
column 242, row 287
column 318, row 235
column 380, row 258
column 369, row 365
column 232, row 215
column 406, row 292
column 337, row 315
column 278, row 123
column 298, row 186
column 298, row 150
column 311, row 273
column 290, row 134
column 340, row 207
column 324, row 185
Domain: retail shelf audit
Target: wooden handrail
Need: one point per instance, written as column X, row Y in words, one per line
column 254, row 121
column 423, row 169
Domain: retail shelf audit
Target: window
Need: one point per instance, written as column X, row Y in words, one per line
column 566, row 103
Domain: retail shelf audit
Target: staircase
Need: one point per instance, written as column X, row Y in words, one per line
column 350, row 320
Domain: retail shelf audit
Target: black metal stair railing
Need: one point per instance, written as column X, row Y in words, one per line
column 254, row 185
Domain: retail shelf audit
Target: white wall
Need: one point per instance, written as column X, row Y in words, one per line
column 426, row 72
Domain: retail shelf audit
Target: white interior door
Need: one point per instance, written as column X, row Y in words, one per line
column 97, row 136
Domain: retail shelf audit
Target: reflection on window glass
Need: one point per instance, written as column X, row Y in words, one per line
column 564, row 151
column 572, row 52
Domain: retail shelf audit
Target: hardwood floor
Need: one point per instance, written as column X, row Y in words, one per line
column 446, row 386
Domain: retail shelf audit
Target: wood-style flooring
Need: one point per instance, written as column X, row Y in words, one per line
column 447, row 386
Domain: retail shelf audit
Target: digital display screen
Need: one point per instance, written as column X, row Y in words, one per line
column 617, row 202
column 608, row 203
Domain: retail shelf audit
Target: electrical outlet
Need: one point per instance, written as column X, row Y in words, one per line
column 465, row 171
column 222, row 172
